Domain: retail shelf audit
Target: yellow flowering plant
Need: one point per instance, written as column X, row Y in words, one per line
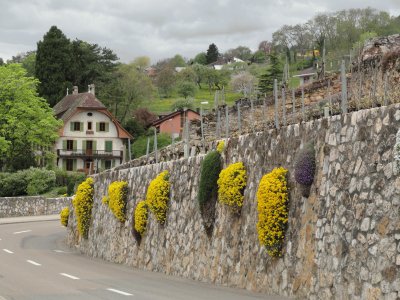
column 272, row 198
column 83, row 203
column 231, row 183
column 140, row 217
column 157, row 197
column 117, row 193
column 221, row 146
column 64, row 215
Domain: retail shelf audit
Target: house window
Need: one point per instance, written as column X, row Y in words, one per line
column 107, row 164
column 70, row 145
column 70, row 165
column 108, row 146
column 102, row 126
column 77, row 126
column 89, row 126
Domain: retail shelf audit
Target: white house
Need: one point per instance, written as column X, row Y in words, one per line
column 91, row 139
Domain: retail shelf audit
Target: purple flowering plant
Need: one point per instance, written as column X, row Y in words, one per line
column 304, row 169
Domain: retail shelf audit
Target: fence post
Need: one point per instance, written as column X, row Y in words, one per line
column 359, row 88
column 239, row 118
column 265, row 111
column 284, row 105
column 218, row 124
column 186, row 137
column 227, row 121
column 276, row 103
column 293, row 101
column 302, row 103
column 155, row 144
column 344, row 87
column 201, row 125
column 148, row 147
column 252, row 114
column 330, row 97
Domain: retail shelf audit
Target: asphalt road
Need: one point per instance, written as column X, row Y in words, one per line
column 35, row 264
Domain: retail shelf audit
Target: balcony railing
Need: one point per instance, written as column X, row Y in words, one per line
column 90, row 153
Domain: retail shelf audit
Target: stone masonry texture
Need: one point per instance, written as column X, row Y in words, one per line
column 342, row 242
column 31, row 206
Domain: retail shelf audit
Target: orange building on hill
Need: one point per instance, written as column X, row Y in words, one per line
column 174, row 123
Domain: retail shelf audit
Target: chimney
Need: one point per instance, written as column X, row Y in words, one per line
column 92, row 90
column 75, row 90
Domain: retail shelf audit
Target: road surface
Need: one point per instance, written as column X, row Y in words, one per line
column 35, row 264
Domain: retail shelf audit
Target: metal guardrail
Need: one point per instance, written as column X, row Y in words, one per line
column 89, row 153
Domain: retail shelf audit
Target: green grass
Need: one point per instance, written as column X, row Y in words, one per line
column 139, row 147
column 164, row 104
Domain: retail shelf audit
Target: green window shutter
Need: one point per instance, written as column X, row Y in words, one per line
column 74, row 164
column 107, row 126
column 64, row 145
column 103, row 164
column 108, row 146
column 81, row 126
column 97, row 126
column 113, row 163
column 83, row 145
column 94, row 145
column 71, row 126
column 75, row 145
column 64, row 165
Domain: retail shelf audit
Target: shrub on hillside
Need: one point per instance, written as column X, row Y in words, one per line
column 231, row 183
column 83, row 203
column 272, row 197
column 64, row 215
column 117, row 193
column 157, row 197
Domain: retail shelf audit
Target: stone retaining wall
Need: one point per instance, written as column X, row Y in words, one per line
column 31, row 206
column 342, row 242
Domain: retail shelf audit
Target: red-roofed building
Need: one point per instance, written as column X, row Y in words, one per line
column 91, row 139
column 173, row 123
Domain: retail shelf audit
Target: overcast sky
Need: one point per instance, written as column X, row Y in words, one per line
column 161, row 28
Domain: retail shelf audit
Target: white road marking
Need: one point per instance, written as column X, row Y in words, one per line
column 59, row 251
column 0, row 239
column 69, row 276
column 23, row 231
column 8, row 251
column 33, row 262
column 119, row 292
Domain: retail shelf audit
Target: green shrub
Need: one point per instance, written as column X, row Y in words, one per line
column 83, row 203
column 40, row 181
column 207, row 197
column 62, row 190
column 210, row 169
column 64, row 215
column 13, row 184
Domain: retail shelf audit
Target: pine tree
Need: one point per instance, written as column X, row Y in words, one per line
column 212, row 53
column 53, row 61
column 274, row 71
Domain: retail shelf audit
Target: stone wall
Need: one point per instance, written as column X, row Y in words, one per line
column 342, row 242
column 31, row 206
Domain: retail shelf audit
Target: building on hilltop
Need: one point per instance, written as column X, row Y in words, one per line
column 91, row 139
column 174, row 123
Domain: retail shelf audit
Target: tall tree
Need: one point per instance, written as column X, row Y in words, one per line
column 53, row 65
column 274, row 71
column 166, row 80
column 26, row 120
column 212, row 53
column 200, row 58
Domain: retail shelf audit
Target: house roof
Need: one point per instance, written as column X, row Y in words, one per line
column 74, row 103
column 171, row 115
